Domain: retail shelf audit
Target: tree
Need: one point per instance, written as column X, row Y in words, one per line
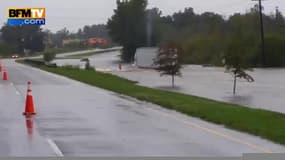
column 49, row 56
column 6, row 50
column 237, row 59
column 128, row 26
column 182, row 19
column 153, row 25
column 33, row 38
column 167, row 60
column 59, row 36
column 24, row 38
column 279, row 21
column 274, row 50
column 92, row 31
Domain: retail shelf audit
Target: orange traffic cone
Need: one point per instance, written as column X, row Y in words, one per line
column 30, row 109
column 5, row 75
column 30, row 126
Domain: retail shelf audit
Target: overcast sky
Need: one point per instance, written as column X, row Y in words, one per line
column 74, row 14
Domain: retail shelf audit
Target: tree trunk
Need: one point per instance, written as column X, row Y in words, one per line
column 172, row 81
column 235, row 84
column 128, row 53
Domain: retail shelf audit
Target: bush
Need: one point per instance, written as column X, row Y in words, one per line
column 34, row 62
column 49, row 56
column 70, row 67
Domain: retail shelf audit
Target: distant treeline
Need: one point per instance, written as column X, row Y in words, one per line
column 21, row 40
column 88, row 31
column 28, row 40
column 205, row 38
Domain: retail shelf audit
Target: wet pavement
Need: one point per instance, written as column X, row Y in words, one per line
column 17, row 133
column 75, row 119
column 267, row 92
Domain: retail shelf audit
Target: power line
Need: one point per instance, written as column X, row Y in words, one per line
column 261, row 32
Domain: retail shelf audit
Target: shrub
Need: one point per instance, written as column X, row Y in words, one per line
column 49, row 56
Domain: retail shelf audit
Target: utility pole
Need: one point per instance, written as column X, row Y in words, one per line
column 261, row 33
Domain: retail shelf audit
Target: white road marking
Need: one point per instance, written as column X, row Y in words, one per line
column 54, row 147
column 18, row 93
column 215, row 132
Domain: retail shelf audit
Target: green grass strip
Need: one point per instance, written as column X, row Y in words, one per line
column 267, row 124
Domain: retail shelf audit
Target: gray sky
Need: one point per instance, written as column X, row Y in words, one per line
column 74, row 14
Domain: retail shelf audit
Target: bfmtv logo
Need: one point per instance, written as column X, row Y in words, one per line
column 26, row 16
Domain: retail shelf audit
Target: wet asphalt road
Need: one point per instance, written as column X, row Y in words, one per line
column 74, row 119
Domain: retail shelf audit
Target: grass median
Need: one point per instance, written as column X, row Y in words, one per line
column 266, row 124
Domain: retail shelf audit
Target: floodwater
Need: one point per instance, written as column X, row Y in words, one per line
column 75, row 119
column 267, row 92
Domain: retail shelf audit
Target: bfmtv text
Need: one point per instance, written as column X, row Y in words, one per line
column 26, row 16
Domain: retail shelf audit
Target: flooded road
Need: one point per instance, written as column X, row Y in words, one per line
column 75, row 119
column 267, row 92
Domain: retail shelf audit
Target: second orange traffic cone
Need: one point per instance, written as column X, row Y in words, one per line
column 5, row 75
column 30, row 109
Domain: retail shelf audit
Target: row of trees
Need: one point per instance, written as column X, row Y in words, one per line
column 21, row 39
column 88, row 31
column 30, row 39
column 204, row 38
column 128, row 26
column 208, row 38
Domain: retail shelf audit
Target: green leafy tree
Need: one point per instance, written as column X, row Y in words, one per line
column 274, row 50
column 49, row 56
column 167, row 60
column 153, row 26
column 128, row 26
column 237, row 60
column 204, row 37
column 24, row 38
column 58, row 37
column 92, row 31
column 6, row 50
column 32, row 38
